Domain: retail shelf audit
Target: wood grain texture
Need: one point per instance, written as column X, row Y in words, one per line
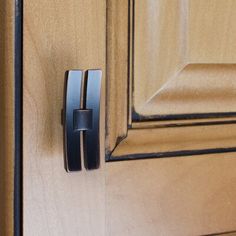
column 176, row 196
column 59, row 36
column 174, row 139
column 184, row 57
column 6, row 116
column 117, row 71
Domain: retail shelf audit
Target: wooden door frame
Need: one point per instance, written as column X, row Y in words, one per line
column 123, row 123
column 11, row 117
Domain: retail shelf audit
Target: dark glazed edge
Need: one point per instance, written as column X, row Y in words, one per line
column 180, row 153
column 136, row 117
column 222, row 233
column 18, row 80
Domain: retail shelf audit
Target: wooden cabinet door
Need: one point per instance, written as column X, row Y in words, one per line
column 171, row 91
column 168, row 132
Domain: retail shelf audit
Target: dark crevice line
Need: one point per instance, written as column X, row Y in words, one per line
column 132, row 64
column 129, row 58
column 177, row 125
column 222, row 233
column 180, row 153
column 18, row 79
column 141, row 118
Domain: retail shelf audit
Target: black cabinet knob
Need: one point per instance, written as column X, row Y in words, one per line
column 81, row 115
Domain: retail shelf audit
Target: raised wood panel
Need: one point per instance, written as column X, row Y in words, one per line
column 159, row 45
column 184, row 57
column 6, row 116
column 192, row 107
column 58, row 36
column 173, row 196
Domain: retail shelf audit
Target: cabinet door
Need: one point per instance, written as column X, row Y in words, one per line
column 171, row 101
column 176, row 59
column 168, row 91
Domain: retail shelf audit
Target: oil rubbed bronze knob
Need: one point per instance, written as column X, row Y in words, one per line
column 81, row 115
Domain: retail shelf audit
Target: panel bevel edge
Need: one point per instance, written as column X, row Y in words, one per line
column 117, row 72
column 176, row 141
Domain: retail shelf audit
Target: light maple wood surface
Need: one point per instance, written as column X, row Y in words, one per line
column 193, row 195
column 58, row 36
column 6, row 116
column 184, row 56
